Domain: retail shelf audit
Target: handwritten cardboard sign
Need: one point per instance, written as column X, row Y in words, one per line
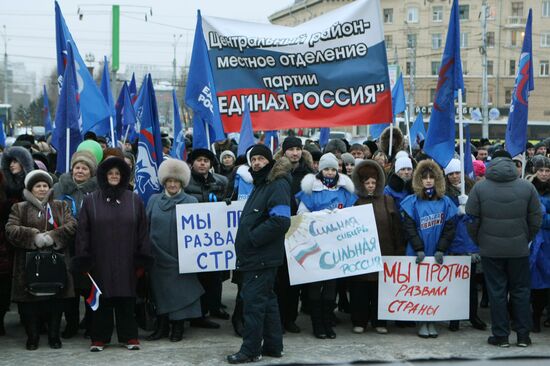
column 326, row 245
column 424, row 292
column 206, row 235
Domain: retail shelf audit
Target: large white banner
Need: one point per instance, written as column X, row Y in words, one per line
column 206, row 235
column 426, row 291
column 325, row 245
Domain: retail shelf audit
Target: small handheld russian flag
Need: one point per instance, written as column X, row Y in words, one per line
column 49, row 216
column 93, row 298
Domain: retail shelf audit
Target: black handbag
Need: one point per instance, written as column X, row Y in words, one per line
column 45, row 272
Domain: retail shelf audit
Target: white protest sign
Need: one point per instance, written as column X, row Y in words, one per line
column 206, row 235
column 426, row 291
column 325, row 245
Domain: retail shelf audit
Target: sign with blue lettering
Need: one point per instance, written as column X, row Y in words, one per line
column 325, row 245
column 206, row 236
column 426, row 291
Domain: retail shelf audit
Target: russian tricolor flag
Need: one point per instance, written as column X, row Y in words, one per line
column 93, row 298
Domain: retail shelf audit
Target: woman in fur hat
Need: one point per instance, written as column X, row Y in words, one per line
column 539, row 258
column 39, row 222
column 112, row 244
column 176, row 296
column 72, row 188
column 325, row 190
column 426, row 233
column 369, row 180
column 17, row 162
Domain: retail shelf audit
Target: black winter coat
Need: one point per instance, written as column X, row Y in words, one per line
column 201, row 188
column 265, row 220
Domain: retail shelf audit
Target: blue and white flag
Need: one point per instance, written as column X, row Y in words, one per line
column 93, row 106
column 516, row 130
column 149, row 156
column 246, row 138
column 103, row 128
column 66, row 134
column 440, row 141
column 271, row 140
column 200, row 94
column 417, row 131
column 133, row 89
column 178, row 147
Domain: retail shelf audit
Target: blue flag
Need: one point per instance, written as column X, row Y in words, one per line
column 468, row 163
column 417, row 131
column 272, row 136
column 103, row 128
column 93, row 106
column 398, row 97
column 67, row 117
column 149, row 156
column 247, row 135
column 178, row 147
column 128, row 115
column 46, row 113
column 133, row 89
column 200, row 94
column 324, row 136
column 2, row 134
column 440, row 141
column 516, row 130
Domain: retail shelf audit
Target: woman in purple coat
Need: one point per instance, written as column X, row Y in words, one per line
column 112, row 244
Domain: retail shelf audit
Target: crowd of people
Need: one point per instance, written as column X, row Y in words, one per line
column 91, row 217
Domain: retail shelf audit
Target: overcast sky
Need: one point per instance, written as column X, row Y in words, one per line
column 30, row 27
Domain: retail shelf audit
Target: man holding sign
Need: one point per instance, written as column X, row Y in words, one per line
column 260, row 251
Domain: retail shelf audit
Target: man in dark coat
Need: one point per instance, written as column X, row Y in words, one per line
column 288, row 296
column 260, row 250
column 207, row 186
column 507, row 216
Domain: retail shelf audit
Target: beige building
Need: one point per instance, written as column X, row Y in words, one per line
column 415, row 33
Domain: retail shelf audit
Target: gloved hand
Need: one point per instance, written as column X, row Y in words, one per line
column 462, row 199
column 420, row 255
column 461, row 210
column 227, row 201
column 476, row 258
column 438, row 256
column 42, row 240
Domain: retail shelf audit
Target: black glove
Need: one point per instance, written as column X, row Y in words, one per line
column 438, row 256
column 420, row 256
column 227, row 201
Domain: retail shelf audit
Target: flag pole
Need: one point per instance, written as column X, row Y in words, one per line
column 391, row 141
column 68, row 152
column 112, row 132
column 408, row 131
column 272, row 144
column 207, row 134
column 523, row 165
column 461, row 144
column 126, row 134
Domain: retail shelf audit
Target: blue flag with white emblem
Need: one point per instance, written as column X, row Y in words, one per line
column 440, row 141
column 200, row 94
column 93, row 106
column 149, row 156
column 66, row 134
column 516, row 130
column 178, row 147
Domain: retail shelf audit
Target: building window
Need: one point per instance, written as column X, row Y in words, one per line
column 437, row 41
column 544, row 68
column 491, row 39
column 464, row 67
column 411, row 40
column 490, row 70
column 512, row 69
column 517, row 9
column 388, row 16
column 432, row 95
column 516, row 39
column 508, row 95
column 464, row 12
column 437, row 14
column 545, row 39
column 388, row 39
column 412, row 15
column 408, row 68
column 546, row 8
column 464, row 40
column 435, row 67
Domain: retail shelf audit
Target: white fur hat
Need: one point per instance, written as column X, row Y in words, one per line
column 176, row 169
column 403, row 162
column 452, row 167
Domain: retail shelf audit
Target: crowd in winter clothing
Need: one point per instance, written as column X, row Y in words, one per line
column 106, row 232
